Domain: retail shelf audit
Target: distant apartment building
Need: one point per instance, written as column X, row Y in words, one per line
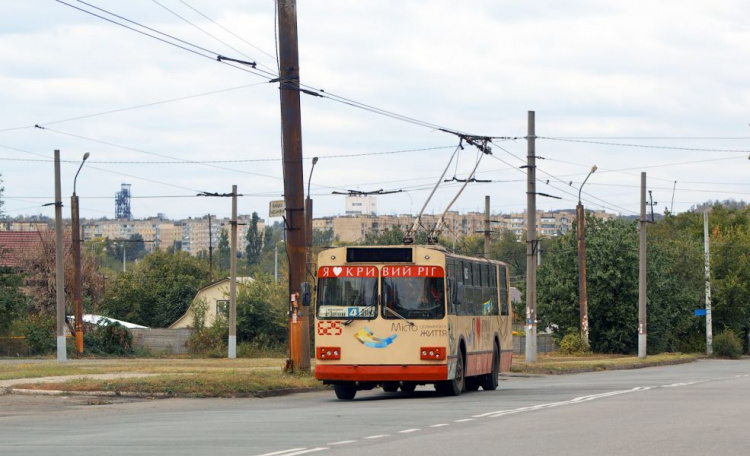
column 190, row 235
column 361, row 205
column 354, row 228
column 25, row 226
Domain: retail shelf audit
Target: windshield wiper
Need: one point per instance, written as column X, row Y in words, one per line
column 399, row 315
column 363, row 310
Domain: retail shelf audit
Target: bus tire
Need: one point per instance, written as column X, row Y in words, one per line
column 408, row 387
column 390, row 387
column 490, row 381
column 456, row 386
column 345, row 391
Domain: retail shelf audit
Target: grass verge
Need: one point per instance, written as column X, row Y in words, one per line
column 556, row 364
column 242, row 377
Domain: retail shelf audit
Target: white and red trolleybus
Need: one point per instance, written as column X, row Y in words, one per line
column 402, row 316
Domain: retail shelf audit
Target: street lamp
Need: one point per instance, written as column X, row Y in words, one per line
column 582, row 295
column 77, row 285
column 308, row 217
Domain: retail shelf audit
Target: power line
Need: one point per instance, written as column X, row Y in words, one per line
column 645, row 146
column 230, row 32
column 153, row 153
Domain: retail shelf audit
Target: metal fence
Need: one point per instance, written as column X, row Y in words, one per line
column 545, row 343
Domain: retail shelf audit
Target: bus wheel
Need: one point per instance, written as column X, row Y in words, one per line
column 345, row 391
column 390, row 387
column 456, row 386
column 408, row 387
column 489, row 381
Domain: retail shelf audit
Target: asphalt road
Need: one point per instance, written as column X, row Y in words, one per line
column 689, row 409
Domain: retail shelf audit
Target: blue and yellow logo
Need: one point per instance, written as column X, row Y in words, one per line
column 369, row 339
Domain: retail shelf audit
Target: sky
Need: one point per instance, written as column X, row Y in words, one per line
column 630, row 86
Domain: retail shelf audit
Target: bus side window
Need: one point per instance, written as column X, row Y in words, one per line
column 504, row 310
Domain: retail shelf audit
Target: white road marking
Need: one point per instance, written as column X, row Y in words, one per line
column 439, row 425
column 343, row 442
column 376, row 436
column 406, row 431
column 464, row 420
column 284, row 452
column 312, row 450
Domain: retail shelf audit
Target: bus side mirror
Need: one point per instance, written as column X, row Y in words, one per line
column 459, row 293
column 305, row 293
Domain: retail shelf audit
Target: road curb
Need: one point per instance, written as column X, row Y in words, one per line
column 582, row 370
column 42, row 392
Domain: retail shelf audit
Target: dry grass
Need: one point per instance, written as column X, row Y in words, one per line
column 192, row 377
column 556, row 364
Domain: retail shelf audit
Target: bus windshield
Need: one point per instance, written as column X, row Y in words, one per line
column 349, row 294
column 413, row 297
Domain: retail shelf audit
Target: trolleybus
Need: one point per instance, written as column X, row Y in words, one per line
column 400, row 316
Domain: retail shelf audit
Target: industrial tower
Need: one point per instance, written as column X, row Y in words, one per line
column 122, row 203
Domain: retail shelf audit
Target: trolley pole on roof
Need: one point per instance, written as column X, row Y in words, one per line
column 291, row 132
column 531, row 242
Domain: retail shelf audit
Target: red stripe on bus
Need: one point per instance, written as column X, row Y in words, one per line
column 478, row 363
column 412, row 271
column 347, row 271
column 506, row 359
column 381, row 373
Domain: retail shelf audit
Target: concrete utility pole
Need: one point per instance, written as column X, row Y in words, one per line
column 291, row 132
column 62, row 353
column 531, row 242
column 582, row 293
column 642, row 327
column 233, row 279
column 709, row 326
column 487, row 231
column 210, row 252
column 77, row 285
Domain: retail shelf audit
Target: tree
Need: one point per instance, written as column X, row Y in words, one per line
column 39, row 265
column 612, row 277
column 223, row 252
column 13, row 303
column 261, row 312
column 158, row 291
column 254, row 238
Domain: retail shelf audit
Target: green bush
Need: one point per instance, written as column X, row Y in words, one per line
column 261, row 349
column 40, row 334
column 209, row 341
column 108, row 339
column 727, row 345
column 572, row 344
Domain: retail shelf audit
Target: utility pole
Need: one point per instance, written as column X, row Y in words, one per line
column 210, row 252
column 582, row 292
column 531, row 241
column 709, row 327
column 62, row 353
column 77, row 285
column 642, row 327
column 233, row 279
column 487, row 232
column 291, row 132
